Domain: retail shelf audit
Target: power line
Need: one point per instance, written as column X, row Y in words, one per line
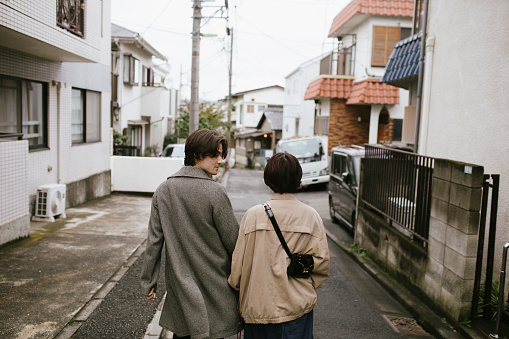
column 161, row 13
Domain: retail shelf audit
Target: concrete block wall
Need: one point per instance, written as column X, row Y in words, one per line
column 14, row 211
column 344, row 127
column 443, row 273
column 453, row 234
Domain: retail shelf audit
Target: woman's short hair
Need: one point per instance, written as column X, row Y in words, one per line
column 202, row 143
column 283, row 173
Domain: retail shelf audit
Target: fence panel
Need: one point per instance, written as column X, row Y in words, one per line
column 398, row 185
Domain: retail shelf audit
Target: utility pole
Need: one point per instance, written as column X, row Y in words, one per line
column 195, row 68
column 230, row 33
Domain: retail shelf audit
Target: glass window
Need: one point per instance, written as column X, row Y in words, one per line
column 86, row 116
column 131, row 70
column 23, row 110
column 250, row 108
column 70, row 15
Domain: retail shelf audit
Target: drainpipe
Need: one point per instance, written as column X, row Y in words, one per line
column 420, row 77
column 58, row 84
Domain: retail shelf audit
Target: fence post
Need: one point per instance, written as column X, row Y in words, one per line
column 501, row 285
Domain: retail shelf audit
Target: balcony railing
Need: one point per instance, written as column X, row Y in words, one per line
column 338, row 62
column 398, row 185
column 70, row 14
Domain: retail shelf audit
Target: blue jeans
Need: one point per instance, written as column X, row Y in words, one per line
column 300, row 328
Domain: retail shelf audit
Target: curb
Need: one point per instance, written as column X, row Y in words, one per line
column 82, row 315
column 431, row 322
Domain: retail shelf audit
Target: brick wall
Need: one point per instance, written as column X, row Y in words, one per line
column 344, row 127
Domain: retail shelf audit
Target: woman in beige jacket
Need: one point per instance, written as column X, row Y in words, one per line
column 273, row 304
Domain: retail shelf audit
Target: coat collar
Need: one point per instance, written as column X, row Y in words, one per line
column 284, row 196
column 192, row 172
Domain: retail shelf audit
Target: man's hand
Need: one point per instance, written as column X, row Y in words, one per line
column 151, row 296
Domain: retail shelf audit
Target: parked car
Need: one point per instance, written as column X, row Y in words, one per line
column 343, row 183
column 173, row 151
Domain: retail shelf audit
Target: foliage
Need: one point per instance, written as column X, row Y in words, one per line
column 210, row 116
column 493, row 303
column 151, row 151
column 119, row 139
column 356, row 249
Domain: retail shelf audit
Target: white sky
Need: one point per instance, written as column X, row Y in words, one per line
column 271, row 39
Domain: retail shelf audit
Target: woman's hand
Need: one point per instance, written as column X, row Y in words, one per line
column 151, row 296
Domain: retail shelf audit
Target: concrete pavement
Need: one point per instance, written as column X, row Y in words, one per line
column 78, row 277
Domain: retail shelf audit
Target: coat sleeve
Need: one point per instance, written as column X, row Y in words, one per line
column 224, row 219
column 238, row 258
column 320, row 256
column 155, row 241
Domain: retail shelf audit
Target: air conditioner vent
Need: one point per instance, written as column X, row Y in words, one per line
column 49, row 202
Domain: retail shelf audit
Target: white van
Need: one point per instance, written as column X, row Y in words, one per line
column 312, row 157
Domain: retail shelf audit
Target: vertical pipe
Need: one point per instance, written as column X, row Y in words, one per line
column 491, row 236
column 420, row 77
column 480, row 247
column 58, row 84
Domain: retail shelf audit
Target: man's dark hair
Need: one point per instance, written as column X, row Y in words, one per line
column 202, row 143
column 283, row 173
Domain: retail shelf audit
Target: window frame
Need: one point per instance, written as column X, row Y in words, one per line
column 250, row 108
column 20, row 109
column 379, row 58
column 85, row 110
column 131, row 71
column 76, row 25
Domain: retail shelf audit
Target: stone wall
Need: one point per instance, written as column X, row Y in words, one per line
column 443, row 272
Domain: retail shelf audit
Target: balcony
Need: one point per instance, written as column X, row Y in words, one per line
column 339, row 62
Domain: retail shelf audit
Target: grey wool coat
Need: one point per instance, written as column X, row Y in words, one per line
column 192, row 217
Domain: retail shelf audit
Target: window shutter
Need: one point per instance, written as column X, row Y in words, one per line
column 384, row 39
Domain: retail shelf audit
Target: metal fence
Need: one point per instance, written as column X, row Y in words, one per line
column 398, row 185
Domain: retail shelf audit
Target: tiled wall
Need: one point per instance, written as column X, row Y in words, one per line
column 14, row 215
column 344, row 127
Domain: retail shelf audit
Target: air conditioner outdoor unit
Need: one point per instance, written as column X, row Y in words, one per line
column 49, row 202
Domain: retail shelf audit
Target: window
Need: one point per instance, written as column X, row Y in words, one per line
column 384, row 39
column 70, row 14
column 23, row 109
column 131, row 70
column 250, row 108
column 321, row 125
column 148, row 76
column 261, row 108
column 397, row 129
column 86, row 116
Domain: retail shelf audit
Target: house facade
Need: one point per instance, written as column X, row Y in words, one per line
column 298, row 114
column 54, row 111
column 351, row 105
column 144, row 107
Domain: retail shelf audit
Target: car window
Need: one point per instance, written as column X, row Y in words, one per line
column 174, row 152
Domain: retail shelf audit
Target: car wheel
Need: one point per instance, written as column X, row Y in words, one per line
column 332, row 212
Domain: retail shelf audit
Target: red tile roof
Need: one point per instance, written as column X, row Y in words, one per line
column 372, row 91
column 403, row 8
column 328, row 88
column 366, row 92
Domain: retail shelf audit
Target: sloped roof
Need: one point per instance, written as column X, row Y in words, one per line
column 371, row 92
column 257, row 89
column 365, row 92
column 398, row 8
column 274, row 117
column 122, row 34
column 403, row 64
column 325, row 87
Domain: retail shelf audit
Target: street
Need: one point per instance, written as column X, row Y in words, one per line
column 350, row 303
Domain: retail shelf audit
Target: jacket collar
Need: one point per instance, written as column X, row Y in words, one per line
column 192, row 172
column 284, row 196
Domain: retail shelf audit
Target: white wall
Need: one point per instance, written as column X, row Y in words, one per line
column 468, row 101
column 141, row 174
column 266, row 96
column 295, row 107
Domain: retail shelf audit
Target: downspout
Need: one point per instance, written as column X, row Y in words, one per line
column 420, row 76
column 58, row 84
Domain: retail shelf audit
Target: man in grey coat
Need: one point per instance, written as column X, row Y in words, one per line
column 192, row 217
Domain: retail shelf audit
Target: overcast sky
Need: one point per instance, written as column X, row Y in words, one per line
column 271, row 39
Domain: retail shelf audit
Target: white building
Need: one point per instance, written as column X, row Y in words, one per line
column 55, row 97
column 298, row 114
column 144, row 106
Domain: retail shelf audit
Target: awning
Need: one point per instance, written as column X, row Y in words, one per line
column 137, row 122
column 250, row 135
column 403, row 65
column 329, row 87
column 372, row 92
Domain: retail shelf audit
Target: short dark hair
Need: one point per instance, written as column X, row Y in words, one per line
column 283, row 173
column 202, row 143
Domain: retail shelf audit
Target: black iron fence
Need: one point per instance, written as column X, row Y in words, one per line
column 398, row 185
column 131, row 151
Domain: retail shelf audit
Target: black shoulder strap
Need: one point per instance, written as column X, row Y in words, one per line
column 276, row 228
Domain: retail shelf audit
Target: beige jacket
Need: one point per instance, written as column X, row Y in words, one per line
column 267, row 293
